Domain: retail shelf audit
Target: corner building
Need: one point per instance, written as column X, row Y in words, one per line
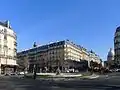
column 63, row 54
column 8, row 49
column 117, row 45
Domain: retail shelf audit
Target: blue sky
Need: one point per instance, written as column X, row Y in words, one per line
column 90, row 23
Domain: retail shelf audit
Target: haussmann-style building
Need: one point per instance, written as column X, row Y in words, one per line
column 117, row 46
column 63, row 54
column 8, row 48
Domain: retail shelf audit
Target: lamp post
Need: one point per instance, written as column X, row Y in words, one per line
column 35, row 66
column 58, row 68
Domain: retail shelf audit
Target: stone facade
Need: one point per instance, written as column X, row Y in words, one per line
column 8, row 48
column 110, row 57
column 63, row 54
column 117, row 45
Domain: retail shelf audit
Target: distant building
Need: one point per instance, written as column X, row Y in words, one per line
column 105, row 64
column 94, row 57
column 63, row 54
column 110, row 58
column 8, row 48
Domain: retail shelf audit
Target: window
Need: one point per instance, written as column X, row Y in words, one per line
column 51, row 45
column 53, row 52
column 5, row 37
column 5, row 31
column 118, row 33
column 15, row 43
column 65, row 45
column 52, row 57
column 5, row 47
column 15, row 50
column 1, row 31
column 0, row 48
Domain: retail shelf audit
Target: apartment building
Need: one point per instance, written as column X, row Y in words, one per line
column 63, row 54
column 8, row 46
column 117, row 45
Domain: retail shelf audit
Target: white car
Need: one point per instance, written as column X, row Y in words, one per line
column 71, row 70
column 117, row 70
column 22, row 73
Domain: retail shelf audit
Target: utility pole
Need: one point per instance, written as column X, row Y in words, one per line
column 35, row 66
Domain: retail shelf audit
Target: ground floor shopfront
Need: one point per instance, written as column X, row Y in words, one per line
column 7, row 69
column 69, row 64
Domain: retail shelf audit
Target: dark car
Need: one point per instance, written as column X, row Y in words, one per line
column 7, row 74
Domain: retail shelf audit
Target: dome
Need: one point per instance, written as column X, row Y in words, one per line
column 111, row 53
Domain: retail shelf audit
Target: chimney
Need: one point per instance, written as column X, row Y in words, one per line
column 34, row 45
column 7, row 23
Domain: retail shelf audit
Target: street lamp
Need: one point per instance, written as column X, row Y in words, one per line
column 35, row 66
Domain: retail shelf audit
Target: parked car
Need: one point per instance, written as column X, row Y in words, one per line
column 13, row 73
column 107, row 71
column 76, row 71
column 117, row 70
column 22, row 73
column 71, row 70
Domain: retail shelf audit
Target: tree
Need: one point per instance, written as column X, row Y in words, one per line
column 25, row 63
column 92, row 66
column 58, row 67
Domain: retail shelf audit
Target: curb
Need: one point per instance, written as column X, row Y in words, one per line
column 91, row 77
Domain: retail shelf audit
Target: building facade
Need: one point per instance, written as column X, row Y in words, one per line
column 63, row 54
column 94, row 57
column 106, row 64
column 110, row 58
column 117, row 45
column 8, row 48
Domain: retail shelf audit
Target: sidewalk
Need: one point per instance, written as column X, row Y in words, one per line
column 63, row 76
column 93, row 76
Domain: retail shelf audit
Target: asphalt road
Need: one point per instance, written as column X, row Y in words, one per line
column 110, row 82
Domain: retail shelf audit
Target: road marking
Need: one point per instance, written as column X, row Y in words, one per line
column 113, row 85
